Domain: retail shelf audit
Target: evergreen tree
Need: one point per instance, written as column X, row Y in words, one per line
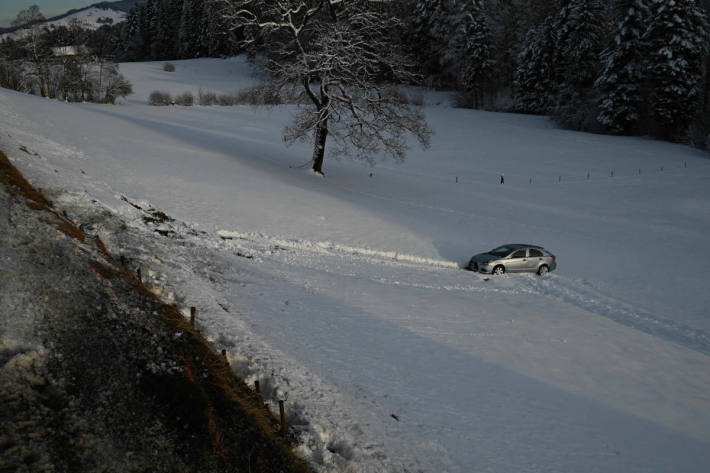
column 218, row 40
column 146, row 18
column 539, row 12
column 581, row 31
column 448, row 30
column 507, row 36
column 188, row 30
column 160, row 28
column 426, row 14
column 676, row 39
column 476, row 61
column 623, row 74
column 448, row 35
column 534, row 83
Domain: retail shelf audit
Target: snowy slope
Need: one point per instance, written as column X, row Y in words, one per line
column 345, row 292
column 92, row 17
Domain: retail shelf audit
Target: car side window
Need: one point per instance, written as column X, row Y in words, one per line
column 518, row 254
column 535, row 253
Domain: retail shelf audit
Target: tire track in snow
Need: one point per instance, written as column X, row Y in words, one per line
column 582, row 295
column 258, row 242
column 577, row 293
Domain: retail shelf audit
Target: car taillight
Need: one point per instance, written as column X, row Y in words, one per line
column 553, row 257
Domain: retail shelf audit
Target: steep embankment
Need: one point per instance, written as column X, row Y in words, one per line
column 97, row 374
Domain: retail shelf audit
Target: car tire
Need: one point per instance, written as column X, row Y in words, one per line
column 543, row 270
column 498, row 270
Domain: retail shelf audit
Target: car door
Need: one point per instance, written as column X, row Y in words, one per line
column 517, row 262
column 535, row 259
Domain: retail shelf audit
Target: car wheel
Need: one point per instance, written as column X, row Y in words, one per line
column 543, row 270
column 499, row 270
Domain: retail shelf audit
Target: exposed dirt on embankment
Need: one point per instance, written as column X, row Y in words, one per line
column 97, row 374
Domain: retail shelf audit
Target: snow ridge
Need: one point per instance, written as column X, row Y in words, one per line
column 327, row 247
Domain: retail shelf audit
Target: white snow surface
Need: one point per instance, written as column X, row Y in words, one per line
column 89, row 17
column 345, row 296
column 222, row 76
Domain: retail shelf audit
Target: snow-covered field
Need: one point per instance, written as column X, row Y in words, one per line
column 344, row 293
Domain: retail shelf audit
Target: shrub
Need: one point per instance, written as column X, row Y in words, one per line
column 394, row 95
column 699, row 132
column 579, row 113
column 245, row 97
column 415, row 98
column 255, row 96
column 226, row 99
column 463, row 99
column 258, row 96
column 207, row 98
column 185, row 99
column 293, row 97
column 169, row 67
column 270, row 97
column 13, row 75
column 117, row 86
column 503, row 101
column 158, row 97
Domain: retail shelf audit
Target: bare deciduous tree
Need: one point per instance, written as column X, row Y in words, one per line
column 339, row 55
column 27, row 17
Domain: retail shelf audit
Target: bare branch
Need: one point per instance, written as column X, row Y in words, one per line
column 340, row 53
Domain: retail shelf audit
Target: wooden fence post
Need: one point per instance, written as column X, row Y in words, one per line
column 283, row 417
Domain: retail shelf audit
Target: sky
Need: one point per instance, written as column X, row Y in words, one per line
column 49, row 8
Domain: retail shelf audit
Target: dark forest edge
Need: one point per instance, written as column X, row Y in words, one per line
column 629, row 67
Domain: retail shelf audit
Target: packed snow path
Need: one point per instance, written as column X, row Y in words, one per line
column 343, row 292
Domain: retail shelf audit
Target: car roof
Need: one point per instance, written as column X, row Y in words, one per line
column 516, row 246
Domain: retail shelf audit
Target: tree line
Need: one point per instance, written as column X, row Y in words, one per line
column 619, row 66
column 615, row 66
column 636, row 67
column 72, row 63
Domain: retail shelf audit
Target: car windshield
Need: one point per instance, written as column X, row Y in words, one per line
column 500, row 251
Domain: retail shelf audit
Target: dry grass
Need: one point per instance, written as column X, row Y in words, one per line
column 231, row 425
column 16, row 184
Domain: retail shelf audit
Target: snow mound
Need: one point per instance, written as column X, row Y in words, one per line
column 327, row 247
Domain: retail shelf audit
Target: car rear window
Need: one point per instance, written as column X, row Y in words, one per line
column 535, row 253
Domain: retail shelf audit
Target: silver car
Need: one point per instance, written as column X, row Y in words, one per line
column 514, row 258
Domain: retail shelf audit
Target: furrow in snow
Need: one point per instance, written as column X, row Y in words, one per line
column 581, row 295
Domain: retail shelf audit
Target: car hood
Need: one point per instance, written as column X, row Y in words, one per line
column 484, row 258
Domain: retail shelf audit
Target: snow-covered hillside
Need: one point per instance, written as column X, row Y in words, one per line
column 92, row 17
column 345, row 295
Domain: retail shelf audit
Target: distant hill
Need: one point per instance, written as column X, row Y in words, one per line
column 120, row 7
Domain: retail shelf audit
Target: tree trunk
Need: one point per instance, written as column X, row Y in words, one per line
column 43, row 84
column 100, row 96
column 321, row 134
